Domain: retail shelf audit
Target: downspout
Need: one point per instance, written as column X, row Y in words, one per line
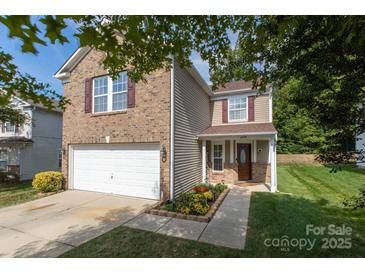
column 274, row 185
column 172, row 130
column 270, row 104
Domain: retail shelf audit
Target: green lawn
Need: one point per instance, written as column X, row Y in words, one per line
column 314, row 197
column 16, row 193
column 309, row 195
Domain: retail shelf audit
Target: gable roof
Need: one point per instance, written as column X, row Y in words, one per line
column 235, row 85
column 63, row 73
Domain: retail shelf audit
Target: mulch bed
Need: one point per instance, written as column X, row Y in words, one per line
column 157, row 210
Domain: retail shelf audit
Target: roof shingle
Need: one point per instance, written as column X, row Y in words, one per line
column 234, row 86
column 250, row 128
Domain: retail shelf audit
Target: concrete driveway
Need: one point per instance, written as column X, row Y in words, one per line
column 50, row 226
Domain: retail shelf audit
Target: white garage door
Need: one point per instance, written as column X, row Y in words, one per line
column 131, row 169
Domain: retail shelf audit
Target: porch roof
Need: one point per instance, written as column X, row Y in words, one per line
column 239, row 129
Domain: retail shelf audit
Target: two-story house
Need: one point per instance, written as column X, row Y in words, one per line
column 158, row 138
column 34, row 146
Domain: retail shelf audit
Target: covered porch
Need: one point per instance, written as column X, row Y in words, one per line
column 239, row 153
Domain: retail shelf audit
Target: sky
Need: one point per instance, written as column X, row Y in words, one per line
column 51, row 57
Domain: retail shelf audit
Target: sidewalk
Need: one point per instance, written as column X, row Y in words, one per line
column 227, row 228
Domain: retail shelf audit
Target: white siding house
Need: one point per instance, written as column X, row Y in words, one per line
column 35, row 146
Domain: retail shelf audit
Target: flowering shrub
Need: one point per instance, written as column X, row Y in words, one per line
column 208, row 195
column 192, row 203
column 196, row 203
column 48, row 181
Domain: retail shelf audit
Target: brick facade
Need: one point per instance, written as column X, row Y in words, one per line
column 260, row 173
column 261, row 170
column 228, row 176
column 148, row 121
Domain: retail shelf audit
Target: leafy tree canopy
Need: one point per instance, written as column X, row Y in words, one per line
column 298, row 132
column 325, row 52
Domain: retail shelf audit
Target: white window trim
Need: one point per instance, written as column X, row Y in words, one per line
column 223, row 155
column 229, row 108
column 109, row 95
column 9, row 131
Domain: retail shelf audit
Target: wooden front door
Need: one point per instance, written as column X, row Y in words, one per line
column 244, row 161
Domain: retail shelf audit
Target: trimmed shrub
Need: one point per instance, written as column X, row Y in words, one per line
column 217, row 189
column 48, row 181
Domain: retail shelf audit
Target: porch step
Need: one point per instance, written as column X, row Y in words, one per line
column 246, row 183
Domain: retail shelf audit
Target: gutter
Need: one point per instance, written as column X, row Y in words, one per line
column 172, row 130
column 270, row 104
column 235, row 134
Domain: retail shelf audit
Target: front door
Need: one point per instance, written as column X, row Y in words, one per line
column 244, row 161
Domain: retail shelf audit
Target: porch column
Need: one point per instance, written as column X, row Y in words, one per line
column 204, row 160
column 231, row 153
column 273, row 187
column 254, row 148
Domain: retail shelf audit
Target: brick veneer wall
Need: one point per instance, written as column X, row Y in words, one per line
column 148, row 121
column 228, row 176
column 261, row 173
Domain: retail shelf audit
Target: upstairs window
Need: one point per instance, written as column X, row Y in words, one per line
column 120, row 92
column 110, row 95
column 101, row 94
column 237, row 109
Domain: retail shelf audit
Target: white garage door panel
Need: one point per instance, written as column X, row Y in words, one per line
column 132, row 170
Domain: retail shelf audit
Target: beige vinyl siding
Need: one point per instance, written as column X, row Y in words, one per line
column 216, row 112
column 192, row 115
column 262, row 109
column 262, row 148
column 227, row 151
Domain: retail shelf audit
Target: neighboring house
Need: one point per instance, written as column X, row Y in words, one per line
column 156, row 139
column 360, row 147
column 34, row 146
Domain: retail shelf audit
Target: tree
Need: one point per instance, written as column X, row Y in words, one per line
column 298, row 132
column 325, row 52
column 14, row 116
column 148, row 44
column 13, row 82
